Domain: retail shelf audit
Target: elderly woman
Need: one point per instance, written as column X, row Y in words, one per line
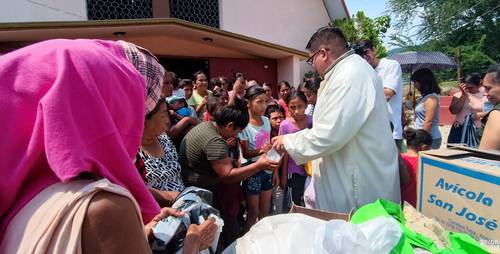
column 162, row 169
column 73, row 113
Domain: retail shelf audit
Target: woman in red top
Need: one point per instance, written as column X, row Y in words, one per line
column 285, row 91
column 416, row 141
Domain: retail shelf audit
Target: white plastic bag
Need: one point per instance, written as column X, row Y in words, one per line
column 309, row 195
column 379, row 235
column 298, row 233
column 285, row 233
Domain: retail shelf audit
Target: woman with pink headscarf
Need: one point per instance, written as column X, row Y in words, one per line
column 73, row 114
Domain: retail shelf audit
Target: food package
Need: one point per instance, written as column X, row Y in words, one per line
column 169, row 233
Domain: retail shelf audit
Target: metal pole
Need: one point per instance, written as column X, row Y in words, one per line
column 414, row 94
column 459, row 66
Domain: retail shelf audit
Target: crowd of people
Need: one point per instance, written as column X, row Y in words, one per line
column 101, row 139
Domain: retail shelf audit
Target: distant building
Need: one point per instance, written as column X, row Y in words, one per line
column 264, row 39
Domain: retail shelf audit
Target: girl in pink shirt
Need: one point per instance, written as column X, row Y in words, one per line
column 294, row 175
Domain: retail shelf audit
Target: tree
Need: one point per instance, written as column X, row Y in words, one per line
column 361, row 27
column 472, row 25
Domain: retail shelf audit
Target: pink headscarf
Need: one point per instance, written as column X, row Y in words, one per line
column 69, row 107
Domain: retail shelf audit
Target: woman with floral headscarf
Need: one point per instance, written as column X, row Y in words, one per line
column 73, row 113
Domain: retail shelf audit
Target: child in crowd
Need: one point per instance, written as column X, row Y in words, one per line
column 269, row 91
column 276, row 115
column 219, row 98
column 310, row 89
column 214, row 84
column 177, row 90
column 294, row 175
column 223, row 83
column 179, row 109
column 187, row 86
column 255, row 140
column 238, row 89
column 416, row 141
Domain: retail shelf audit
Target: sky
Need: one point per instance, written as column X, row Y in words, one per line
column 372, row 9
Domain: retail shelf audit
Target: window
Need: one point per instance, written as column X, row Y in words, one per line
column 205, row 12
column 119, row 9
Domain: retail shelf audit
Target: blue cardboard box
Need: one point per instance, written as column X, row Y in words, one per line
column 461, row 190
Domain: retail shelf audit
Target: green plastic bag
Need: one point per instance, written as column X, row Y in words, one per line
column 387, row 208
column 460, row 243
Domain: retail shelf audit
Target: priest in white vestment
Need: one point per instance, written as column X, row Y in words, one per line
column 357, row 160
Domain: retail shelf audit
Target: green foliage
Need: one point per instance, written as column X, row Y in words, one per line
column 361, row 27
column 472, row 25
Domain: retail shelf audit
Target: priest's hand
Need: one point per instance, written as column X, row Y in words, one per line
column 278, row 144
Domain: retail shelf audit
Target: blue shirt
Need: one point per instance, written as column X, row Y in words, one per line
column 184, row 111
column 256, row 136
column 420, row 116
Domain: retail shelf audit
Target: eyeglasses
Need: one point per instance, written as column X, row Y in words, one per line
column 311, row 59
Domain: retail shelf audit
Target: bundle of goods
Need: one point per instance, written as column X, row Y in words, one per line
column 169, row 233
column 379, row 227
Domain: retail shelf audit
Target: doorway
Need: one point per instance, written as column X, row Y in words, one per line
column 185, row 67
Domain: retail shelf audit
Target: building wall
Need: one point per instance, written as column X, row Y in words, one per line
column 42, row 10
column 289, row 70
column 285, row 22
column 261, row 70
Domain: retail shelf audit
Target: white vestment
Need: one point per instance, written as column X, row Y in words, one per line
column 351, row 135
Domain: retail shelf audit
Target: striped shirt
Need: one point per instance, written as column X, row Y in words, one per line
column 201, row 145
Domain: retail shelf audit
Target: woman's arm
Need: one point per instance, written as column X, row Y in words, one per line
column 247, row 152
column 479, row 115
column 491, row 134
column 199, row 108
column 284, row 171
column 164, row 198
column 430, row 106
column 457, row 103
column 404, row 176
column 181, row 126
column 224, row 169
column 199, row 237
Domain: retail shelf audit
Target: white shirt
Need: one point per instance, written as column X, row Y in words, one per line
column 352, row 139
column 392, row 77
column 309, row 110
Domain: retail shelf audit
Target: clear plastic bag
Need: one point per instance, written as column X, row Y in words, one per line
column 273, row 155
